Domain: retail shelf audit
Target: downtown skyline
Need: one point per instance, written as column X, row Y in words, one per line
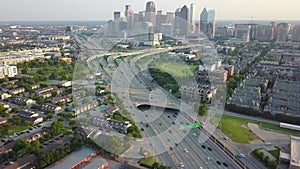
column 33, row 10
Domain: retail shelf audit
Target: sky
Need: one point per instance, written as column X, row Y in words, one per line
column 44, row 10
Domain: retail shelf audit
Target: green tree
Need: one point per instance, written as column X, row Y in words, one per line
column 21, row 144
column 35, row 147
column 56, row 128
column 72, row 123
column 203, row 110
column 17, row 120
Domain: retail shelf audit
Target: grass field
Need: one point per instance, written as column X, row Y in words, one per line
column 234, row 128
column 275, row 153
column 18, row 128
column 148, row 161
column 178, row 70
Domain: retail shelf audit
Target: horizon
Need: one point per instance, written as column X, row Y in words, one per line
column 77, row 10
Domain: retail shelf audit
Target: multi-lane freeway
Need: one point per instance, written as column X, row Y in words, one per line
column 189, row 148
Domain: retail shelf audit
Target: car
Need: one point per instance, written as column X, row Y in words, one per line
column 268, row 143
column 142, row 129
column 3, row 141
column 209, row 148
column 225, row 138
column 194, row 134
column 181, row 165
column 186, row 151
column 218, row 162
column 242, row 155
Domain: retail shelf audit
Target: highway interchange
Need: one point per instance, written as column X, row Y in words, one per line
column 161, row 126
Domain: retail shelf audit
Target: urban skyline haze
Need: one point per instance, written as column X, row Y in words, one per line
column 36, row 10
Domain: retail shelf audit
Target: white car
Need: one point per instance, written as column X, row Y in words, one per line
column 186, row 151
column 181, row 164
column 268, row 143
column 242, row 155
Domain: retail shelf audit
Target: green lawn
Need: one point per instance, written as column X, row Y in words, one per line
column 17, row 128
column 275, row 153
column 179, row 70
column 234, row 128
column 149, row 161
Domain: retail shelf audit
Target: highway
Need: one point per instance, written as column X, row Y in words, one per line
column 161, row 134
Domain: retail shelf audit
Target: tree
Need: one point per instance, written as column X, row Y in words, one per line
column 17, row 120
column 24, row 71
column 21, row 144
column 73, row 123
column 203, row 109
column 35, row 147
column 2, row 108
column 49, row 116
column 56, row 128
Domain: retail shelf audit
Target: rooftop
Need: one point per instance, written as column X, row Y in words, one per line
column 295, row 153
column 72, row 159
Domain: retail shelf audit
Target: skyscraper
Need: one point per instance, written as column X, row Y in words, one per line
column 128, row 10
column 211, row 15
column 296, row 34
column 203, row 18
column 192, row 16
column 150, row 12
column 184, row 21
column 117, row 15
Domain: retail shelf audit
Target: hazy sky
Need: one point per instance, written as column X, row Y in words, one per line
column 12, row 10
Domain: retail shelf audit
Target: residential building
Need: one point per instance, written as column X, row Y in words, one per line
column 31, row 116
column 85, row 107
column 282, row 31
column 296, row 33
column 4, row 95
column 8, row 71
column 49, row 107
column 119, row 126
column 242, row 32
column 22, row 101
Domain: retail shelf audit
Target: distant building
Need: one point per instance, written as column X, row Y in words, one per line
column 117, row 15
column 265, row 32
column 192, row 17
column 150, row 13
column 296, row 34
column 242, row 32
column 282, row 31
column 8, row 71
column 221, row 31
column 184, row 21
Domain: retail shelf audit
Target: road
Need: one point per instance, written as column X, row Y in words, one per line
column 156, row 138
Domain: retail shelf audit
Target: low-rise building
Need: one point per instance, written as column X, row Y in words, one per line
column 4, row 95
column 85, row 107
column 8, row 71
column 22, row 101
column 31, row 116
column 119, row 126
column 17, row 90
column 49, row 107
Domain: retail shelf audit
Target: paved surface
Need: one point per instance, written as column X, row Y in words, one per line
column 268, row 136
